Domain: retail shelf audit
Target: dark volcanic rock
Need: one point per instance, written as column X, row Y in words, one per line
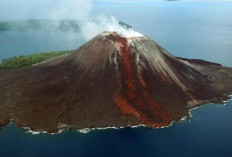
column 110, row 81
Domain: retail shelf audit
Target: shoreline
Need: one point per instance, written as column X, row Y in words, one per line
column 64, row 127
column 224, row 103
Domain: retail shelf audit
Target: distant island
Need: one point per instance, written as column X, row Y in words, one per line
column 110, row 81
column 46, row 25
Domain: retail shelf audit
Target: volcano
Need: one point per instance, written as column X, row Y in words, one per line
column 111, row 81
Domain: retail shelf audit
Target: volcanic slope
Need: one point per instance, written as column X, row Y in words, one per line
column 110, row 81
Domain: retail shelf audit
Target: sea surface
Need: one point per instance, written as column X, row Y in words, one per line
column 193, row 30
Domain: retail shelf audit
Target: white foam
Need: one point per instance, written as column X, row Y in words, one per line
column 84, row 131
column 225, row 102
column 87, row 130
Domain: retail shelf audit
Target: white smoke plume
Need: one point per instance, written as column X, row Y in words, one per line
column 63, row 10
column 91, row 28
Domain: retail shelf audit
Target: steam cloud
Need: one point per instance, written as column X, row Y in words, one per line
column 91, row 28
column 63, row 9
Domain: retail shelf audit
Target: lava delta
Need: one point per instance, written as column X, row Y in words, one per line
column 111, row 81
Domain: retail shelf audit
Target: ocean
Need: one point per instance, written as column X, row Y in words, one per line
column 192, row 30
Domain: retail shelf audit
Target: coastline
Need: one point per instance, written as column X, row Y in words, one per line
column 200, row 105
column 87, row 130
column 64, row 127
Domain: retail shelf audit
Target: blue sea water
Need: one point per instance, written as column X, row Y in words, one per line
column 187, row 30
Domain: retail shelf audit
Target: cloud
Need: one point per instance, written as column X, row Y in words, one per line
column 56, row 9
column 63, row 9
column 89, row 29
column 75, row 10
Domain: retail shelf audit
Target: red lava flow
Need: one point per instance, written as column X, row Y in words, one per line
column 134, row 99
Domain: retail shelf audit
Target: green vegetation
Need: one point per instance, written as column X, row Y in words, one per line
column 46, row 25
column 23, row 61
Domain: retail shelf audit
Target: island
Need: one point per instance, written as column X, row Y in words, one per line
column 111, row 81
column 48, row 25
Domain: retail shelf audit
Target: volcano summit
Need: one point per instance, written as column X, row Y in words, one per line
column 111, row 81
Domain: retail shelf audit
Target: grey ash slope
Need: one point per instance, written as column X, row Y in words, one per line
column 110, row 81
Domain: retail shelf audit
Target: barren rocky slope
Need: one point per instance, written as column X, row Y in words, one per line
column 110, row 81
